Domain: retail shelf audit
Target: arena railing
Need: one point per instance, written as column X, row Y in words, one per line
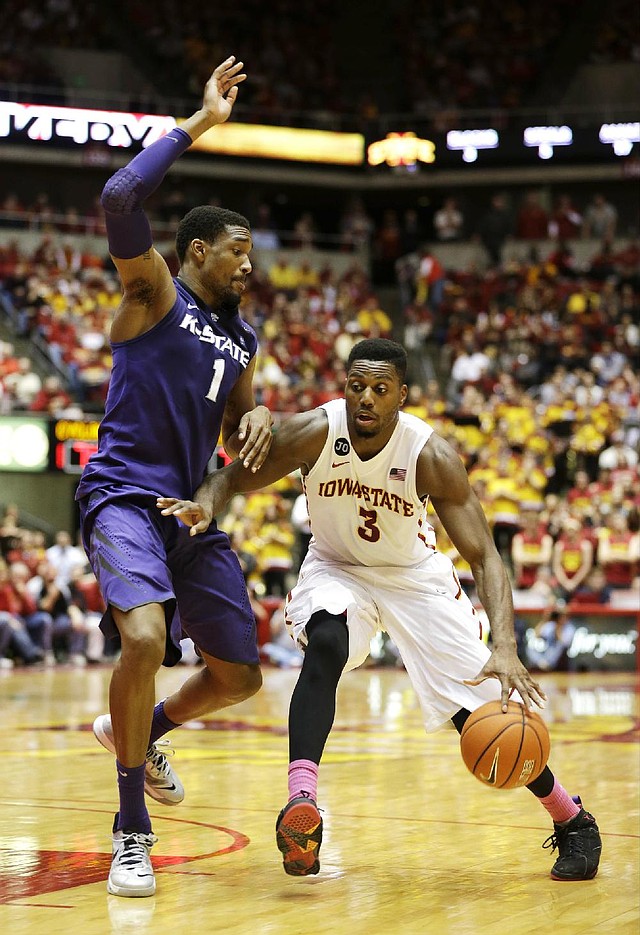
column 427, row 119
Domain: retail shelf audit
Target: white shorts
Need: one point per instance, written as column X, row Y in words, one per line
column 424, row 611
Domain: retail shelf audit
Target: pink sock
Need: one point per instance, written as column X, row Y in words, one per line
column 303, row 779
column 559, row 804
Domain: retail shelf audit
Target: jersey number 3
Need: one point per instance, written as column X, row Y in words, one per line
column 218, row 373
column 369, row 531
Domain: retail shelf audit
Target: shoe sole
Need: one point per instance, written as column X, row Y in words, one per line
column 298, row 836
column 103, row 738
column 149, row 890
column 573, row 879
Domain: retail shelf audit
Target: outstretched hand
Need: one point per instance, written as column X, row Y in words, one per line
column 221, row 89
column 187, row 511
column 504, row 665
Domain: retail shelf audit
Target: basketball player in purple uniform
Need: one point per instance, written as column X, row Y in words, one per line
column 183, row 363
column 372, row 564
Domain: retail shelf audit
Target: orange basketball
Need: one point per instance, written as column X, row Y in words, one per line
column 504, row 750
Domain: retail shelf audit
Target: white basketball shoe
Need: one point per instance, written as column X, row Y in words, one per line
column 160, row 780
column 131, row 872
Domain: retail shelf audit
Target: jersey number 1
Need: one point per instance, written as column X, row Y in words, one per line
column 218, row 373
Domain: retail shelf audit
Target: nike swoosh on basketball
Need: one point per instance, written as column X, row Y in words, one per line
column 335, row 464
column 492, row 778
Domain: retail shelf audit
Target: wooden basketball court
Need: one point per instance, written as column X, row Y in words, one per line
column 413, row 843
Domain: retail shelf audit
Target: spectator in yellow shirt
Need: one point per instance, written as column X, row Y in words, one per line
column 372, row 317
column 415, row 403
column 276, row 556
column 284, row 275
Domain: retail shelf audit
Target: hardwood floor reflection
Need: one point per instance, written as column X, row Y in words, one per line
column 413, row 844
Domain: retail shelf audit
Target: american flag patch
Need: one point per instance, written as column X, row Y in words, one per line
column 398, row 474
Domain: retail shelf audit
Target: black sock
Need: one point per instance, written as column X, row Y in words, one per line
column 543, row 785
column 313, row 704
column 459, row 719
column 540, row 787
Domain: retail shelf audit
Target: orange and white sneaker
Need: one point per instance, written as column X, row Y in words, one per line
column 299, row 836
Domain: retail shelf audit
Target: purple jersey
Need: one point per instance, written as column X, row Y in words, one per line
column 166, row 400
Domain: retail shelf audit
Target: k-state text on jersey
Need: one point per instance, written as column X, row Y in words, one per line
column 207, row 334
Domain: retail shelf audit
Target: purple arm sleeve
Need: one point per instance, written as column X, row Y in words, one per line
column 122, row 197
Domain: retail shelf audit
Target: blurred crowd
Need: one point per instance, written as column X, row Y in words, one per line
column 390, row 232
column 50, row 604
column 619, row 38
column 63, row 300
column 528, row 372
column 476, row 55
column 527, row 366
column 452, row 56
column 480, row 320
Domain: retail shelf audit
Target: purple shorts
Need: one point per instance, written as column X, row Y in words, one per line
column 140, row 557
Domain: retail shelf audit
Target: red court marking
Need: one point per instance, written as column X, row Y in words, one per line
column 36, row 872
column 44, row 906
column 628, row 736
column 632, row 735
column 216, row 725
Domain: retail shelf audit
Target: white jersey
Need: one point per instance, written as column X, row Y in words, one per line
column 372, row 562
column 369, row 512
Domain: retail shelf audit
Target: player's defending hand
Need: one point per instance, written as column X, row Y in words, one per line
column 188, row 512
column 504, row 665
column 221, row 90
column 255, row 431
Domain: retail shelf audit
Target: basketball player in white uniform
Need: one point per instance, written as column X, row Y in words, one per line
column 368, row 471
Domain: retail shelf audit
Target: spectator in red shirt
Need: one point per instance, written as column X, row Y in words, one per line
column 430, row 280
column 565, row 222
column 52, row 397
column 602, row 488
column 619, row 551
column 531, row 549
column 580, row 496
column 8, row 362
column 628, row 259
column 572, row 558
column 16, row 601
column 533, row 220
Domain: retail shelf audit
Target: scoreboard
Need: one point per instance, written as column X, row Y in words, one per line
column 37, row 444
column 71, row 444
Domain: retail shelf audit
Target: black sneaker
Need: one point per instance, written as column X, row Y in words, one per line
column 299, row 836
column 579, row 847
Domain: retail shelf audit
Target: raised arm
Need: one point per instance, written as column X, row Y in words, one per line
column 297, row 444
column 148, row 289
column 442, row 475
column 606, row 554
column 521, row 557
